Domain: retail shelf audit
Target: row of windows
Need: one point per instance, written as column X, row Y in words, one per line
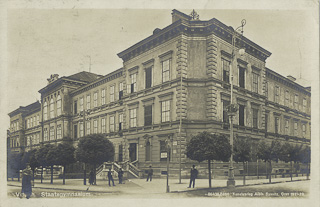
column 33, row 121
column 33, row 139
column 289, row 129
column 51, row 108
column 14, row 142
column 52, row 133
column 15, row 126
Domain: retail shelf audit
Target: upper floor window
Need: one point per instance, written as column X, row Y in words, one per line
column 45, row 111
column 111, row 93
column 133, row 79
column 286, row 97
column 59, row 105
column 166, row 70
column 295, row 131
column 276, row 94
column 286, row 127
column 133, row 117
column 95, row 126
column 103, row 125
column 111, row 119
column 255, row 118
column 148, row 115
column 103, row 96
column 242, row 73
column 59, row 132
column 304, row 130
column 165, row 111
column 52, row 133
column 95, row 99
column 304, row 105
column 28, row 123
column 88, row 101
column 75, row 107
column 225, row 117
column 34, row 121
column 277, row 125
column 226, row 70
column 45, row 134
column 120, row 90
column 81, row 104
column 241, row 115
column 51, row 108
column 81, row 129
column 38, row 120
column 148, row 73
column 88, row 130
column 255, row 82
column 121, row 122
column 266, row 89
column 296, row 102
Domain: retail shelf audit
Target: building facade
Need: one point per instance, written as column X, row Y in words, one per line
column 175, row 83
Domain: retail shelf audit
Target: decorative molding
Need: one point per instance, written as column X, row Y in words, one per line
column 151, row 61
column 165, row 54
column 226, row 54
column 132, row 70
column 242, row 62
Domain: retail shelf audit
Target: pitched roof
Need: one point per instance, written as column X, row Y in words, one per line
column 25, row 110
column 85, row 76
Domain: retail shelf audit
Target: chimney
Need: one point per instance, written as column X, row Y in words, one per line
column 290, row 77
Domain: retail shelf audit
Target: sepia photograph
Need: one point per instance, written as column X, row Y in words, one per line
column 177, row 103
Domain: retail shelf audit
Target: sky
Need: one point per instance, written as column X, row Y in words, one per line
column 41, row 42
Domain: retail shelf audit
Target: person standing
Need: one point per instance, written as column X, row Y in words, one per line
column 110, row 178
column 91, row 177
column 26, row 181
column 150, row 173
column 120, row 175
column 193, row 176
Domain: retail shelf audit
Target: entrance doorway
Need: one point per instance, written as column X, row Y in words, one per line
column 133, row 152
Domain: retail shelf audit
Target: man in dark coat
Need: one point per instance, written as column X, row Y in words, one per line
column 120, row 175
column 91, row 177
column 26, row 181
column 110, row 178
column 150, row 173
column 193, row 176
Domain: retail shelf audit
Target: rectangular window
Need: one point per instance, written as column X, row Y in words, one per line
column 111, row 126
column 296, row 102
column 95, row 99
column 81, row 129
column 88, row 102
column 111, row 93
column 163, row 151
column 166, row 70
column 226, row 70
column 28, row 141
column 38, row 121
column 75, row 131
column 165, row 111
column 225, row 117
column 45, row 111
column 304, row 105
column 133, row 118
column 304, row 130
column 28, row 123
column 95, row 126
column 133, row 79
column 277, row 125
column 266, row 89
column 242, row 72
column 286, row 127
column 75, row 107
column 51, row 133
column 34, row 121
column 286, row 97
column 241, row 115
column 88, row 130
column 295, row 132
column 148, row 115
column 59, row 132
column 103, row 96
column 103, row 125
column 59, row 101
column 255, row 118
column 45, row 134
column 121, row 122
column 148, row 72
column 120, row 90
column 255, row 82
column 81, row 104
column 266, row 122
column 277, row 94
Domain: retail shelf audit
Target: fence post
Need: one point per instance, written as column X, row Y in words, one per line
column 258, row 168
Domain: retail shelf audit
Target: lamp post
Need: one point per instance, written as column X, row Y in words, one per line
column 168, row 141
column 233, row 108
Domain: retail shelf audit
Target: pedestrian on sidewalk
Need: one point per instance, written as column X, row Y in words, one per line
column 120, row 175
column 26, row 181
column 91, row 177
column 193, row 176
column 150, row 173
column 110, row 178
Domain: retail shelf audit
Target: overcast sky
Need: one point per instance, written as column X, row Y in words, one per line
column 55, row 41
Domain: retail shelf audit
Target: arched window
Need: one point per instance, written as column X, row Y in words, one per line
column 59, row 105
column 148, row 151
column 45, row 111
column 51, row 108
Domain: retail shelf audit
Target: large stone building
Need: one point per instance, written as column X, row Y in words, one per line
column 175, row 83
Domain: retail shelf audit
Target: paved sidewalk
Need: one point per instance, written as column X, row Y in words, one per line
column 140, row 186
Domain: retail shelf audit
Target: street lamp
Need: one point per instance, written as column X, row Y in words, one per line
column 233, row 108
column 168, row 141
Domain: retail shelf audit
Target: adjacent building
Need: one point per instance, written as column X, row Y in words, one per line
column 175, row 83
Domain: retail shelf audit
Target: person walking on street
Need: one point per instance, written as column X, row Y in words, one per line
column 150, row 173
column 120, row 175
column 26, row 181
column 91, row 177
column 193, row 176
column 110, row 178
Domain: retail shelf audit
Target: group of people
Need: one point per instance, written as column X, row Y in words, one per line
column 110, row 177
